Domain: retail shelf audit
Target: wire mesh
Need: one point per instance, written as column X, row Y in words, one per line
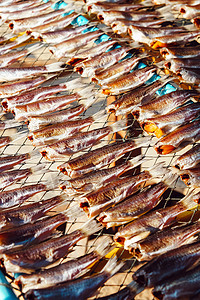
column 42, row 57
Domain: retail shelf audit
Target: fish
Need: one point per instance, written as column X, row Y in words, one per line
column 163, row 104
column 189, row 75
column 7, row 124
column 189, row 11
column 126, row 82
column 64, row 272
column 6, row 47
column 19, row 195
column 17, row 6
column 14, row 88
column 186, row 52
column 174, row 39
column 33, row 95
column 21, row 25
column 25, row 12
column 88, row 67
column 179, row 138
column 196, row 22
column 166, row 265
column 98, row 200
column 10, row 57
column 115, row 71
column 16, row 216
column 66, row 48
column 189, row 159
column 80, row 288
column 8, row 178
column 146, row 34
column 52, row 25
column 191, row 177
column 51, row 133
column 175, row 64
column 30, row 233
column 126, row 103
column 162, row 241
column 153, row 221
column 100, row 157
column 120, row 25
column 133, row 207
column 91, row 52
column 107, row 17
column 97, row 178
column 12, row 74
column 38, row 122
column 46, row 253
column 95, row 8
column 166, row 123
column 58, row 36
column 181, row 287
column 79, row 141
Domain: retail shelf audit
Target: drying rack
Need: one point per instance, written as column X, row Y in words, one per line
column 42, row 56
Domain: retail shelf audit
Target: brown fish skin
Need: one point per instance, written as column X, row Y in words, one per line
column 168, row 264
column 175, row 64
column 196, row 22
column 18, row 6
column 166, row 123
column 8, row 162
column 4, row 141
column 37, row 108
column 191, row 177
column 163, row 241
column 127, row 102
column 97, row 158
column 31, row 232
column 16, row 216
column 38, row 122
column 97, row 201
column 12, row 89
column 47, row 252
column 133, row 207
column 54, row 132
column 153, row 221
column 164, row 104
column 95, row 8
column 180, row 287
column 189, row 75
column 178, row 138
column 173, row 52
column 8, row 178
column 190, row 11
column 130, row 81
column 75, row 143
column 189, row 159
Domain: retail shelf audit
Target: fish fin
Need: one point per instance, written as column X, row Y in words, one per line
column 91, row 227
column 11, row 123
column 166, row 14
column 73, row 212
column 34, row 48
column 138, row 160
column 40, row 169
column 170, row 178
column 33, row 155
column 104, row 247
column 159, row 170
column 52, row 182
column 58, row 66
column 112, row 266
column 87, row 92
column 75, row 83
column 20, row 135
column 143, row 141
column 119, row 125
column 87, row 102
column 21, row 39
column 188, row 201
column 100, row 116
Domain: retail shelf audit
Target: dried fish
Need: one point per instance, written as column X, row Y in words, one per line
column 46, row 253
column 130, row 81
column 189, row 159
column 179, row 138
column 79, row 288
column 163, row 104
column 100, row 157
column 67, row 271
column 17, row 6
column 164, row 240
column 6, row 47
column 166, row 123
column 153, row 221
column 95, row 8
column 173, row 52
column 189, row 75
column 133, row 207
column 190, row 11
column 175, row 64
column 191, row 177
column 66, row 48
column 97, row 201
column 79, row 141
column 13, row 217
column 12, row 74
column 98, row 178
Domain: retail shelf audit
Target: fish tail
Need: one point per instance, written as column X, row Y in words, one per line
column 119, row 125
column 91, row 227
column 104, row 247
column 170, row 178
column 20, row 135
column 52, row 183
column 11, row 123
column 87, row 92
column 143, row 141
column 21, row 39
column 138, row 160
column 87, row 102
column 159, row 170
column 189, row 200
column 58, row 66
column 166, row 14
column 39, row 169
column 100, row 116
column 34, row 48
column 73, row 212
column 34, row 154
column 135, row 288
column 112, row 266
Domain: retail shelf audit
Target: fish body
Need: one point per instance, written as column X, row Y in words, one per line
column 189, row 159
column 190, row 11
column 8, row 162
column 186, row 52
column 191, row 177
